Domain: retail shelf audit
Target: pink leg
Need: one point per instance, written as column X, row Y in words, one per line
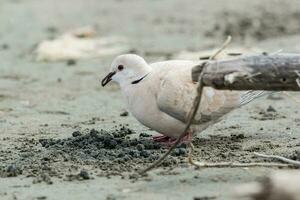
column 161, row 138
column 168, row 141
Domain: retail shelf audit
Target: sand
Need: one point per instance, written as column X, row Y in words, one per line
column 63, row 136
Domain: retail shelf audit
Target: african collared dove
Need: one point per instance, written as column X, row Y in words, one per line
column 160, row 95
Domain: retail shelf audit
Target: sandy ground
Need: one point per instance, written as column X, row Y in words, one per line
column 62, row 135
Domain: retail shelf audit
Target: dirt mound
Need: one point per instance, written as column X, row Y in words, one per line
column 116, row 151
column 105, row 153
column 111, row 151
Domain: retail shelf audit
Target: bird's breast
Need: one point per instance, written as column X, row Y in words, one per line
column 143, row 106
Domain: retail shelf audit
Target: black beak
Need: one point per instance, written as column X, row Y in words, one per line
column 107, row 78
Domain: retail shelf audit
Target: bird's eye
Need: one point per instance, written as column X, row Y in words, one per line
column 120, row 67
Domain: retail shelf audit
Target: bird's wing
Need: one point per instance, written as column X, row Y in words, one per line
column 177, row 93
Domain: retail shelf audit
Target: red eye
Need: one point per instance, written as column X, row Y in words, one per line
column 120, row 67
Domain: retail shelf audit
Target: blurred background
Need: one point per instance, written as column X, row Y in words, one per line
column 53, row 54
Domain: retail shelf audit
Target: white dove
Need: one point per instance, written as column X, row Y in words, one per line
column 160, row 95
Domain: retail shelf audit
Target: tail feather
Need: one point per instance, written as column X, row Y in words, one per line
column 251, row 95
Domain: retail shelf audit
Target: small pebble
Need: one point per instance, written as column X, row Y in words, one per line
column 144, row 154
column 71, row 62
column 76, row 134
column 144, row 135
column 4, row 46
column 124, row 114
column 140, row 147
column 271, row 109
column 12, row 171
column 41, row 198
column 84, row 175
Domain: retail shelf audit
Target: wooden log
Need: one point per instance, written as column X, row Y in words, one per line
column 278, row 72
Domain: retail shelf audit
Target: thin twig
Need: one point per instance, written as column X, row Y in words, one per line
column 191, row 116
column 192, row 112
column 233, row 164
column 190, row 155
column 276, row 52
column 281, row 158
column 226, row 43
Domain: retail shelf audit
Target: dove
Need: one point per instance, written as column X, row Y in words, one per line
column 160, row 95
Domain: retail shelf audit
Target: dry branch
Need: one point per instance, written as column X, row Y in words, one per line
column 275, row 72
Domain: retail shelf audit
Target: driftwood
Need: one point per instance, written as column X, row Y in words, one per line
column 277, row 186
column 275, row 72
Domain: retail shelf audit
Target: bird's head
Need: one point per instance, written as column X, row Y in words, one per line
column 127, row 68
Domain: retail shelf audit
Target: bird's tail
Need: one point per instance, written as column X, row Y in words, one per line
column 251, row 95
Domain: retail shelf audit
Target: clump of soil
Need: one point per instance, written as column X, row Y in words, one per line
column 104, row 153
column 257, row 26
column 110, row 151
column 117, row 151
column 295, row 155
column 10, row 171
column 269, row 114
column 82, row 175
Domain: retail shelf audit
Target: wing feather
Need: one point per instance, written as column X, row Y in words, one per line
column 177, row 93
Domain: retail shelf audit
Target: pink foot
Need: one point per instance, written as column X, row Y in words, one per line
column 168, row 141
column 161, row 138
